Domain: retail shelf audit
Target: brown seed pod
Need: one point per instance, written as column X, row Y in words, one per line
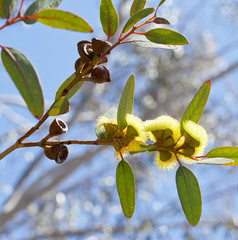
column 57, row 152
column 99, row 46
column 58, row 127
column 62, row 155
column 101, row 74
column 85, row 51
column 77, row 64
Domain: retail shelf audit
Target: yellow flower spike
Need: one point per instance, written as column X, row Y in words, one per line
column 165, row 165
column 197, row 134
column 162, row 123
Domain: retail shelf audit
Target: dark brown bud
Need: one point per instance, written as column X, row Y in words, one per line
column 99, row 46
column 77, row 63
column 85, row 51
column 58, row 127
column 101, row 74
column 57, row 152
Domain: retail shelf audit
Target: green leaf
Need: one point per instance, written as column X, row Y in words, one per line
column 108, row 17
column 39, row 5
column 7, row 7
column 126, row 102
column 137, row 17
column 189, row 194
column 59, row 107
column 142, row 41
column 216, row 161
column 166, row 36
column 160, row 20
column 61, row 19
column 65, row 84
column 25, row 78
column 136, row 146
column 196, row 106
column 126, row 187
column 136, row 6
column 161, row 2
column 225, row 152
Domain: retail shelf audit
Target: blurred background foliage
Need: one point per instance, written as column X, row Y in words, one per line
column 78, row 200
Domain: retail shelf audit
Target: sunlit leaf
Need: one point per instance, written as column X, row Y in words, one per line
column 136, row 146
column 161, row 2
column 137, row 17
column 39, row 5
column 66, row 83
column 126, row 102
column 108, row 17
column 136, row 6
column 126, row 188
column 216, row 161
column 196, row 106
column 7, row 7
column 142, row 41
column 25, row 78
column 166, row 36
column 59, row 107
column 61, row 19
column 189, row 194
column 225, row 152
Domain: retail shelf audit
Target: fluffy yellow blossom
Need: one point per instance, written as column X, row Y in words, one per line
column 162, row 123
column 195, row 141
column 165, row 165
column 107, row 129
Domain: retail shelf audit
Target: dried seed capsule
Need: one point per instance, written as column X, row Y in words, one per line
column 99, row 46
column 77, row 64
column 58, row 127
column 62, row 155
column 57, row 152
column 85, row 51
column 101, row 74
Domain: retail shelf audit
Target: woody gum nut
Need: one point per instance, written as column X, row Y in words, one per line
column 52, row 152
column 99, row 46
column 101, row 74
column 62, row 155
column 85, row 51
column 58, row 127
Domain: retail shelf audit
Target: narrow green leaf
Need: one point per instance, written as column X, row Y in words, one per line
column 189, row 194
column 61, row 19
column 161, row 2
column 225, row 152
column 166, row 36
column 126, row 187
column 142, row 41
column 108, row 17
column 136, row 146
column 25, row 78
column 7, row 7
column 59, row 107
column 39, row 5
column 73, row 89
column 136, row 6
column 126, row 102
column 137, row 17
column 196, row 106
column 216, row 161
